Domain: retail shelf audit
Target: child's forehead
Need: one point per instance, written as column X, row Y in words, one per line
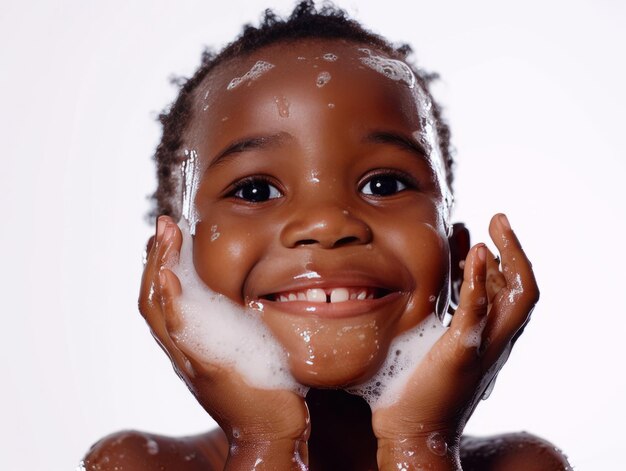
column 311, row 70
column 307, row 85
column 319, row 59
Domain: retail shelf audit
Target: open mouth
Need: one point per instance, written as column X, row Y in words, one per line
column 328, row 295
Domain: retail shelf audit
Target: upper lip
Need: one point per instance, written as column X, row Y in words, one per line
column 290, row 280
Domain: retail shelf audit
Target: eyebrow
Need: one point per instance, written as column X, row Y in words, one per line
column 399, row 140
column 246, row 144
column 263, row 142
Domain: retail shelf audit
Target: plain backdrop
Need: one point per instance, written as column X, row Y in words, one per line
column 534, row 92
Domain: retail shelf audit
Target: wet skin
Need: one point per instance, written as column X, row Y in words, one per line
column 351, row 193
column 315, row 168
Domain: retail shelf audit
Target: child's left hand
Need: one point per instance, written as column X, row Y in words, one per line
column 428, row 420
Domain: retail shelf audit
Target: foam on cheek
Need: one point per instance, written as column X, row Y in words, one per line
column 405, row 353
column 221, row 332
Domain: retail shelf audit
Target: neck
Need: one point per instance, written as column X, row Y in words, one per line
column 341, row 431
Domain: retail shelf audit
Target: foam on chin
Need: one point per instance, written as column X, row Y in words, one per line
column 220, row 331
column 223, row 332
column 405, row 353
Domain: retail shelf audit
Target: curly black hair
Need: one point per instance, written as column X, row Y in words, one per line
column 305, row 22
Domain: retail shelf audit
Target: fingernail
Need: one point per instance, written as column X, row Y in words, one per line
column 160, row 227
column 482, row 253
column 505, row 221
column 169, row 231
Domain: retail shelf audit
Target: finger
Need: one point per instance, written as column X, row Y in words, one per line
column 151, row 299
column 171, row 244
column 148, row 304
column 513, row 304
column 183, row 355
column 170, row 292
column 495, row 279
column 468, row 322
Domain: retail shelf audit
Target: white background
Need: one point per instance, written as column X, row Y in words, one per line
column 534, row 92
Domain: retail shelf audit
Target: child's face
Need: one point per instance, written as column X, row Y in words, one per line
column 318, row 184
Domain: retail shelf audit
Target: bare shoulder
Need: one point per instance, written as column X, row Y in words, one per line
column 511, row 452
column 137, row 451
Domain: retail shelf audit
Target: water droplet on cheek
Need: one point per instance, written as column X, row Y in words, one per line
column 331, row 105
column 214, row 234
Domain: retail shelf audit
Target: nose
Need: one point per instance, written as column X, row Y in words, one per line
column 327, row 227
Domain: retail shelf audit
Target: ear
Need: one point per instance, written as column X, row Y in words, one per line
column 459, row 248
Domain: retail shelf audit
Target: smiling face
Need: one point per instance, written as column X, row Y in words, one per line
column 321, row 198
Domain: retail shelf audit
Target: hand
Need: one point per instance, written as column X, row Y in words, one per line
column 271, row 425
column 494, row 306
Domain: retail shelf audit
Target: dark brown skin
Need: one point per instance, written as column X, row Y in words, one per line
column 323, row 214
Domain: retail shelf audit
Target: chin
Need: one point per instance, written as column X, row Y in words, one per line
column 335, row 370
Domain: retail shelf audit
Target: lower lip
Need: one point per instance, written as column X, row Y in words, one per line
column 341, row 310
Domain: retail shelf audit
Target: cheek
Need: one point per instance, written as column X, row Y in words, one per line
column 424, row 252
column 225, row 252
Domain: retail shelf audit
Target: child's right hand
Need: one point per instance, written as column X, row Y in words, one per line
column 270, row 425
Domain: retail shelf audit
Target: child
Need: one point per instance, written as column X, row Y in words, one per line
column 314, row 172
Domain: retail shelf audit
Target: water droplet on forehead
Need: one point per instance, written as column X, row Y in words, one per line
column 322, row 79
column 282, row 104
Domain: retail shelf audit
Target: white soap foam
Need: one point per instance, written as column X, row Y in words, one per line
column 152, row 446
column 322, row 79
column 257, row 70
column 473, row 339
column 390, row 68
column 405, row 353
column 330, row 57
column 516, row 288
column 220, row 331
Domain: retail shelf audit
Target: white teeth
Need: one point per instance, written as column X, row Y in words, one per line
column 316, row 295
column 339, row 295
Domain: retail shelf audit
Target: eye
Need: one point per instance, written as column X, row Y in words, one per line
column 384, row 184
column 256, row 190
